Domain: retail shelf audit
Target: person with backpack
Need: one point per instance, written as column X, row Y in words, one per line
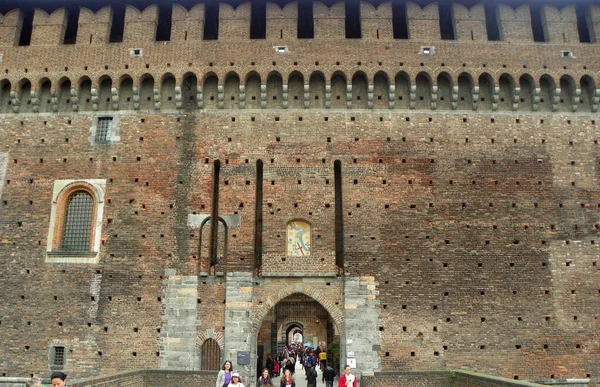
column 328, row 376
column 311, row 377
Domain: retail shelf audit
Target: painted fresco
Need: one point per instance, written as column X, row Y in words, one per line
column 298, row 238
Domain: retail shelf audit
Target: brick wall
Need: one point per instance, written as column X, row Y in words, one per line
column 479, row 226
column 437, row 379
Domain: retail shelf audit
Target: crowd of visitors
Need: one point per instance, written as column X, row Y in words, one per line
column 307, row 357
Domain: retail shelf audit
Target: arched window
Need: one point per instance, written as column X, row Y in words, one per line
column 211, row 355
column 74, row 234
column 77, row 223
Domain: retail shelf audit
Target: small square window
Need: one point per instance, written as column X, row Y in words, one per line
column 57, row 357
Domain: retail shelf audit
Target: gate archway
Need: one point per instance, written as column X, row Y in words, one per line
column 294, row 313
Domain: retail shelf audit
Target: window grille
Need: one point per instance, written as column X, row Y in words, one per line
column 211, row 355
column 104, row 129
column 58, row 356
column 77, row 224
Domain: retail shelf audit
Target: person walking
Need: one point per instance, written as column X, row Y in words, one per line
column 224, row 376
column 347, row 379
column 287, row 380
column 311, row 377
column 328, row 376
column 265, row 379
column 270, row 364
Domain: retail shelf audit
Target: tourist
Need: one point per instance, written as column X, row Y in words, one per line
column 58, row 379
column 328, row 376
column 287, row 380
column 224, row 376
column 290, row 366
column 270, row 364
column 236, row 381
column 265, row 379
column 311, row 377
column 309, row 361
column 322, row 355
column 347, row 379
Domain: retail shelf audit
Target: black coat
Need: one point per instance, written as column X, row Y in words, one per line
column 311, row 376
column 269, row 364
column 282, row 383
column 328, row 374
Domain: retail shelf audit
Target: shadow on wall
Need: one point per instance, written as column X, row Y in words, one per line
column 443, row 91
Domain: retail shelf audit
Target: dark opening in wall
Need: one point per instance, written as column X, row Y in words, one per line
column 339, row 214
column 211, row 21
column 353, row 29
column 118, row 24
column 25, row 37
column 536, row 23
column 446, row 21
column 258, row 19
column 214, row 215
column 399, row 21
column 258, row 216
column 72, row 24
column 491, row 22
column 163, row 29
column 583, row 23
column 306, row 26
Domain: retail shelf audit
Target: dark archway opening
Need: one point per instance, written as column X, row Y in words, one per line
column 297, row 321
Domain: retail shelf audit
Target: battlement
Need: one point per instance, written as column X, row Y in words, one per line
column 386, row 22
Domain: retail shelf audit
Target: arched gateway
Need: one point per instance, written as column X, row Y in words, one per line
column 295, row 313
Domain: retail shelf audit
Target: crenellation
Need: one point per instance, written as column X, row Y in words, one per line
column 234, row 23
column 376, row 22
column 469, row 22
column 433, row 202
column 329, row 22
column 282, row 23
column 187, row 25
column 140, row 26
column 94, row 27
column 49, row 29
column 423, row 23
column 515, row 24
column 11, row 24
column 593, row 19
column 560, row 25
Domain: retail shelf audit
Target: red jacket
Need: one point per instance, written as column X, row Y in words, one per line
column 342, row 382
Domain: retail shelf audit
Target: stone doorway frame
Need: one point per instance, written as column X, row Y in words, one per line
column 327, row 291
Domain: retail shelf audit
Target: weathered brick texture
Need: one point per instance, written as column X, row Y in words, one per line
column 469, row 186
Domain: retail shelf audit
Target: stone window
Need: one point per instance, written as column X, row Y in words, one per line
column 75, row 221
column 104, row 130
column 58, row 357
